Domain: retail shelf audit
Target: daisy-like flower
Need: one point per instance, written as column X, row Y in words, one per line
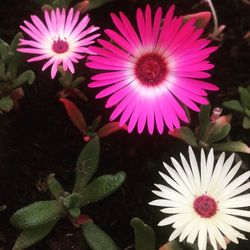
column 205, row 202
column 61, row 39
column 147, row 72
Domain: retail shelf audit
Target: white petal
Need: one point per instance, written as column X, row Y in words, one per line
column 171, row 219
column 238, row 201
column 209, row 169
column 236, row 222
column 217, row 234
column 202, row 238
column 165, row 203
column 175, row 234
column 195, row 169
column 189, row 227
column 216, row 173
column 239, row 212
column 229, row 193
column 179, row 181
column 226, row 180
column 185, row 176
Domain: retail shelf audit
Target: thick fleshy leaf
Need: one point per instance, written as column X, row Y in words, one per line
column 101, row 187
column 232, row 147
column 234, row 105
column 61, row 3
column 15, row 42
column 219, row 130
column 246, row 123
column 4, row 49
column 96, row 238
column 95, row 124
column 6, row 104
column 202, row 18
column 75, row 115
column 29, row 237
column 72, row 201
column 36, row 214
column 185, row 134
column 86, row 164
column 144, row 235
column 247, row 111
column 54, row 186
column 110, row 128
column 244, row 97
column 204, row 119
column 218, row 133
column 75, row 212
column 27, row 76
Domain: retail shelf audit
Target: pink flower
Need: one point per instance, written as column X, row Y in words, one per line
column 151, row 74
column 61, row 39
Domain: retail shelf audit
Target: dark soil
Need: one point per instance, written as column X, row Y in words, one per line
column 38, row 138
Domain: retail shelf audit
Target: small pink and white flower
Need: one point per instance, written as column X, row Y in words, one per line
column 61, row 39
column 152, row 73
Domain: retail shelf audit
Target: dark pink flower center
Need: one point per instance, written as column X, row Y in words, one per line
column 60, row 46
column 205, row 206
column 151, row 69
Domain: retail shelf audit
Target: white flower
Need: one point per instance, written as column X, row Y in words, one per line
column 204, row 202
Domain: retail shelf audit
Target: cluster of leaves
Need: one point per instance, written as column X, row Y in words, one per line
column 89, row 131
column 10, row 82
column 38, row 219
column 242, row 106
column 210, row 132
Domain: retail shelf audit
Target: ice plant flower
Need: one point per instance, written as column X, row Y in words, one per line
column 205, row 201
column 61, row 39
column 148, row 73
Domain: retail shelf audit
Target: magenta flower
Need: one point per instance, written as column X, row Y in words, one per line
column 62, row 39
column 151, row 73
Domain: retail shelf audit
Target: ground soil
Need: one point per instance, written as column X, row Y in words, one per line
column 38, row 139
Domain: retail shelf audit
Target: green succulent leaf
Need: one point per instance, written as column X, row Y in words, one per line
column 144, row 235
column 96, row 238
column 246, row 123
column 75, row 212
column 36, row 214
column 247, row 111
column 27, row 76
column 204, row 118
column 29, row 237
column 55, row 187
column 15, row 42
column 218, row 133
column 6, row 103
column 72, row 201
column 234, row 105
column 86, row 164
column 4, row 49
column 95, row 124
column 102, row 187
column 2, row 67
column 79, row 80
column 185, row 134
column 232, row 147
column 244, row 97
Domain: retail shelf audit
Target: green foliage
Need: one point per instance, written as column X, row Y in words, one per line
column 29, row 237
column 242, row 106
column 86, row 164
column 96, row 238
column 144, row 235
column 36, row 214
column 36, row 220
column 88, row 132
column 211, row 132
column 101, row 187
column 10, row 59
